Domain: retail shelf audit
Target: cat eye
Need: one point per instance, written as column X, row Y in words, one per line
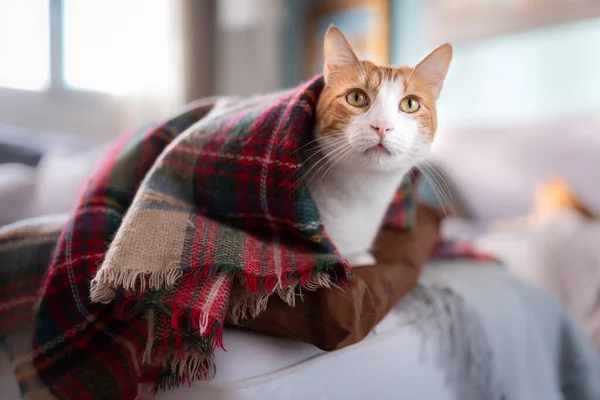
column 357, row 98
column 409, row 104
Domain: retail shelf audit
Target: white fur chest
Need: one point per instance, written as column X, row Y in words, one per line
column 352, row 205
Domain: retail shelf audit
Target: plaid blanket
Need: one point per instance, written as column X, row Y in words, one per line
column 26, row 249
column 139, row 286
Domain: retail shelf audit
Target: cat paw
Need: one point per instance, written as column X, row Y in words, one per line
column 361, row 260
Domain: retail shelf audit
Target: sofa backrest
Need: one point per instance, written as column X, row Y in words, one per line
column 494, row 171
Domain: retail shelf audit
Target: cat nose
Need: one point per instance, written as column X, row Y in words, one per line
column 382, row 129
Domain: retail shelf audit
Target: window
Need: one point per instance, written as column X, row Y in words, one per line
column 25, row 44
column 110, row 46
column 93, row 68
column 117, row 46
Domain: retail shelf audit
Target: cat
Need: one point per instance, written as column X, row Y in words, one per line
column 372, row 125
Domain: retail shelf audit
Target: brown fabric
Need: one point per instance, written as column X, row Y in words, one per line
column 333, row 319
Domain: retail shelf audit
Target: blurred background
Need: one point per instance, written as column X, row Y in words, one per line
column 520, row 107
column 97, row 67
column 521, row 101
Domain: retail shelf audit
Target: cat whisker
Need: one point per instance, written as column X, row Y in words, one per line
column 306, row 145
column 321, row 148
column 438, row 184
column 439, row 163
column 328, row 159
column 439, row 179
column 318, row 150
column 320, row 161
column 316, row 143
column 325, row 161
column 333, row 163
column 433, row 167
column 441, row 195
column 440, row 198
column 412, row 173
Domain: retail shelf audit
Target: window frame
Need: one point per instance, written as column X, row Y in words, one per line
column 92, row 115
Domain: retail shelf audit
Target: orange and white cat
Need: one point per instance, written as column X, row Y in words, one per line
column 373, row 124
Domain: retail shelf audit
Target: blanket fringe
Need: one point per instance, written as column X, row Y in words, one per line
column 147, row 355
column 181, row 360
column 191, row 365
column 105, row 282
column 250, row 303
column 253, row 304
column 318, row 281
column 182, row 369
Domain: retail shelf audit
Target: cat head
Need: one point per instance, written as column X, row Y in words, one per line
column 380, row 118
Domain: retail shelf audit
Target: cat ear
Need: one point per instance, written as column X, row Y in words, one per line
column 338, row 53
column 434, row 67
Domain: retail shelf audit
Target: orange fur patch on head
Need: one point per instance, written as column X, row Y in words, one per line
column 344, row 73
